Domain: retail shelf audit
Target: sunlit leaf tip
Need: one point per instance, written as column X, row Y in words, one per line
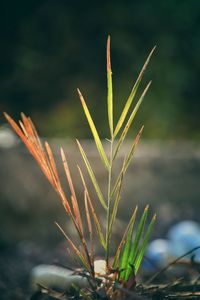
column 94, row 132
column 108, row 55
column 92, row 176
column 110, row 88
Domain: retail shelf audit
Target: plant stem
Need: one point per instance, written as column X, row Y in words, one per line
column 109, row 202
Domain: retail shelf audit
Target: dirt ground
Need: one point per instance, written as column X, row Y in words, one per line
column 166, row 177
column 16, row 262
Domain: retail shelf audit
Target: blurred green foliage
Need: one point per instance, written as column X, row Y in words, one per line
column 49, row 48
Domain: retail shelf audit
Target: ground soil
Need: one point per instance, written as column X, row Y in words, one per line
column 17, row 260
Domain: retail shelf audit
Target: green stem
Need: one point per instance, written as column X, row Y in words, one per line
column 109, row 202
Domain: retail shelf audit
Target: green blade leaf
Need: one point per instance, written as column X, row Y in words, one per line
column 127, row 161
column 126, row 250
column 136, row 243
column 110, row 89
column 115, row 207
column 120, row 247
column 132, row 150
column 131, row 118
column 144, row 245
column 132, row 95
column 92, row 176
column 94, row 132
column 89, row 225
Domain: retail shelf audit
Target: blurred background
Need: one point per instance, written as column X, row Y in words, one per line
column 48, row 49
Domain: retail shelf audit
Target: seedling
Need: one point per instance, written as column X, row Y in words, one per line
column 130, row 251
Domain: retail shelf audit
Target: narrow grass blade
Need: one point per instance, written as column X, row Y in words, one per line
column 132, row 95
column 110, row 89
column 76, row 250
column 45, row 160
column 130, row 120
column 94, row 132
column 132, row 150
column 17, row 129
column 94, row 215
column 126, row 250
column 89, row 224
column 144, row 245
column 92, row 176
column 115, row 207
column 136, row 243
column 73, row 193
column 97, row 223
column 35, row 133
column 127, row 161
column 120, row 247
column 53, row 165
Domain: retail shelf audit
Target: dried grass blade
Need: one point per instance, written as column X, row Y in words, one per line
column 94, row 132
column 53, row 165
column 144, row 245
column 97, row 223
column 110, row 89
column 94, row 215
column 120, row 247
column 27, row 125
column 23, row 128
column 132, row 95
column 130, row 120
column 30, row 142
column 66, row 205
column 92, row 177
column 46, row 163
column 71, row 186
column 77, row 215
column 35, row 133
column 31, row 132
column 38, row 143
column 16, row 128
column 76, row 250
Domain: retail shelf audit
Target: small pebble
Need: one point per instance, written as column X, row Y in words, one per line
column 52, row 276
column 185, row 236
column 158, row 252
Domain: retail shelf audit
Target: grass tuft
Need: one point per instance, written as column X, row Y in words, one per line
column 130, row 251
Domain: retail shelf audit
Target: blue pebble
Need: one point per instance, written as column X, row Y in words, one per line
column 158, row 252
column 184, row 236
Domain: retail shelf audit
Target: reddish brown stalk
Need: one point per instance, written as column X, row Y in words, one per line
column 46, row 162
column 95, row 218
column 71, row 186
column 53, row 165
column 79, row 224
column 45, row 159
column 31, row 142
column 78, row 253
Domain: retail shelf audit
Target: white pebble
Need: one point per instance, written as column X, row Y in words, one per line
column 55, row 277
